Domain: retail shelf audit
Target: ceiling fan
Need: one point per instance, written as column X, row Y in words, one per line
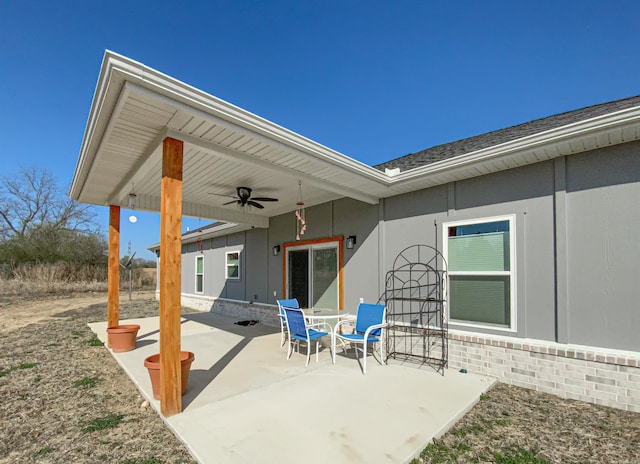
column 244, row 198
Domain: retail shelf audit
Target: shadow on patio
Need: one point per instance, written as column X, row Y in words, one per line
column 244, row 398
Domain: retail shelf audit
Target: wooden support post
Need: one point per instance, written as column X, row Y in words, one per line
column 113, row 298
column 170, row 251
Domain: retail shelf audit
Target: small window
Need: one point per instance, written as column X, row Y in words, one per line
column 199, row 274
column 480, row 263
column 233, row 265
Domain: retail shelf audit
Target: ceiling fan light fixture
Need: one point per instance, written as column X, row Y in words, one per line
column 244, row 193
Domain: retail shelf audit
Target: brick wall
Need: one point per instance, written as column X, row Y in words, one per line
column 606, row 377
column 266, row 314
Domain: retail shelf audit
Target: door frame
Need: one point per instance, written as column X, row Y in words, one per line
column 340, row 240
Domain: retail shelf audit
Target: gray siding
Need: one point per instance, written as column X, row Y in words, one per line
column 525, row 192
column 603, row 244
column 577, row 244
column 361, row 267
column 256, row 257
column 339, row 218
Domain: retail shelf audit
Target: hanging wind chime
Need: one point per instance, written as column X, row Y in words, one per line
column 301, row 221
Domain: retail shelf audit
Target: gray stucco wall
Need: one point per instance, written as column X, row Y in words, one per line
column 577, row 244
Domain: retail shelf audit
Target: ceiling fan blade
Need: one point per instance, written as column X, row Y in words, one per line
column 264, row 199
column 222, row 195
column 253, row 203
column 232, row 202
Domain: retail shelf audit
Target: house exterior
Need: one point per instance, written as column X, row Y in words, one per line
column 537, row 223
column 554, row 308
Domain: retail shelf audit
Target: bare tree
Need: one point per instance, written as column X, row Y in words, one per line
column 38, row 222
column 33, row 199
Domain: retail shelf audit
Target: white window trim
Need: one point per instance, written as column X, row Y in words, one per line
column 196, row 274
column 226, row 265
column 512, row 273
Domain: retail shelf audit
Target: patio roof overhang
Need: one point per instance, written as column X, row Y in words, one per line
column 135, row 108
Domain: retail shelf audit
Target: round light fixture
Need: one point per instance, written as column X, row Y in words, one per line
column 133, row 219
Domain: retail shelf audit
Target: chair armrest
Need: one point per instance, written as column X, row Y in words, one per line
column 343, row 321
column 374, row 327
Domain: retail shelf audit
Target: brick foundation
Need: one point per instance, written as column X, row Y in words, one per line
column 605, row 377
column 266, row 314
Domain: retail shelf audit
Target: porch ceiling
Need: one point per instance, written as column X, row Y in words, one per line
column 135, row 107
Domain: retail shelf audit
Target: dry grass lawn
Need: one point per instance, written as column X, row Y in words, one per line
column 65, row 399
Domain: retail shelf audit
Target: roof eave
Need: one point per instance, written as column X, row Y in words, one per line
column 545, row 140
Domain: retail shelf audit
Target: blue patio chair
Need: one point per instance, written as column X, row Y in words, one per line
column 300, row 331
column 290, row 303
column 369, row 325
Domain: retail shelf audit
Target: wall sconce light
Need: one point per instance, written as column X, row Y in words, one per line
column 351, row 241
column 276, row 250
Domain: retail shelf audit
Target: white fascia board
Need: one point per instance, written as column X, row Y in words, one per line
column 176, row 90
column 105, row 97
column 551, row 137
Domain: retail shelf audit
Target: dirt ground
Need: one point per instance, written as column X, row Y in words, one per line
column 65, row 399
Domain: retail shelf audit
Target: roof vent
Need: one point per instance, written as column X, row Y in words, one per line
column 392, row 172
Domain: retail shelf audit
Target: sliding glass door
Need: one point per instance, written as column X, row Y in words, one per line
column 313, row 275
column 298, row 276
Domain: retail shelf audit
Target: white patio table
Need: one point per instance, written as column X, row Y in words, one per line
column 328, row 316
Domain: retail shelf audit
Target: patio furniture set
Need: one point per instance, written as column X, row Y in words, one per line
column 308, row 325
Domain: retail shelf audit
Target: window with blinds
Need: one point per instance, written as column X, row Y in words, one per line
column 479, row 257
column 199, row 274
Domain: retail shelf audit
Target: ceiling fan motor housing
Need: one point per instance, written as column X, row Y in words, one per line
column 243, row 193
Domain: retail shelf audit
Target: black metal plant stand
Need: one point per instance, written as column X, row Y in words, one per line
column 416, row 299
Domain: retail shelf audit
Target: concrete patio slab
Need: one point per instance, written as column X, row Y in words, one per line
column 246, row 403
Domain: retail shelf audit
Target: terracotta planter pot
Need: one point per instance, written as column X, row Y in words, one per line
column 122, row 337
column 152, row 363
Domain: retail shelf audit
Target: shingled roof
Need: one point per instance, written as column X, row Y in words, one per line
column 478, row 142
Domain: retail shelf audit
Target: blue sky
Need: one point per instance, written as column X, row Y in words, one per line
column 371, row 79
